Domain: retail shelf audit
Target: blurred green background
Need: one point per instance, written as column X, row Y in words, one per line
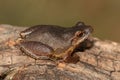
column 103, row 15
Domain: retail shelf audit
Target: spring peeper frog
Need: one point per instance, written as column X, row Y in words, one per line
column 54, row 42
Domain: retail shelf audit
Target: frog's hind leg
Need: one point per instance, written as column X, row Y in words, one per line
column 36, row 50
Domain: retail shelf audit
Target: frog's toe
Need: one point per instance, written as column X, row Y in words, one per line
column 71, row 59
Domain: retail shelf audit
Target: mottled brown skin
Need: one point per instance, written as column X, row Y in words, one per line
column 54, row 42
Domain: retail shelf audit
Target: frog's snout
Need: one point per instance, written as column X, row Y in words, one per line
column 87, row 31
column 90, row 29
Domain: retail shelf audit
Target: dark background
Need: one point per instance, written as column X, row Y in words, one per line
column 103, row 15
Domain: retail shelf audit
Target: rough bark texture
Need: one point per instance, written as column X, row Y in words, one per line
column 101, row 62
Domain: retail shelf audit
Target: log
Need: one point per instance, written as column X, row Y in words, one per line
column 100, row 62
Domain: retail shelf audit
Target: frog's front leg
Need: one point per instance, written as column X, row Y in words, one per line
column 36, row 50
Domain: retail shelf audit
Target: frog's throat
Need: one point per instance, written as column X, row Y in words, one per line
column 70, row 50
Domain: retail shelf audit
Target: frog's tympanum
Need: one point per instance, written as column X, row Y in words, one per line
column 54, row 42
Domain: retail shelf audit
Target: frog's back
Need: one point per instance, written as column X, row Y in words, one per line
column 48, row 34
column 54, row 36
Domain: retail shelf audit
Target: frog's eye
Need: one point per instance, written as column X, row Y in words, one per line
column 79, row 34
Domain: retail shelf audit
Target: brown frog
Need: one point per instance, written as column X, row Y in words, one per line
column 54, row 42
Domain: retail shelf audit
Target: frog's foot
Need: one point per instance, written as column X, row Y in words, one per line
column 70, row 59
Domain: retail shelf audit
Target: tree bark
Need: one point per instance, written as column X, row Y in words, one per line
column 101, row 62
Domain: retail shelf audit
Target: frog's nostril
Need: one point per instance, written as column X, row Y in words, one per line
column 91, row 29
column 88, row 31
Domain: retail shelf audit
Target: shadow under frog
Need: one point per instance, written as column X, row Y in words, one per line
column 54, row 42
